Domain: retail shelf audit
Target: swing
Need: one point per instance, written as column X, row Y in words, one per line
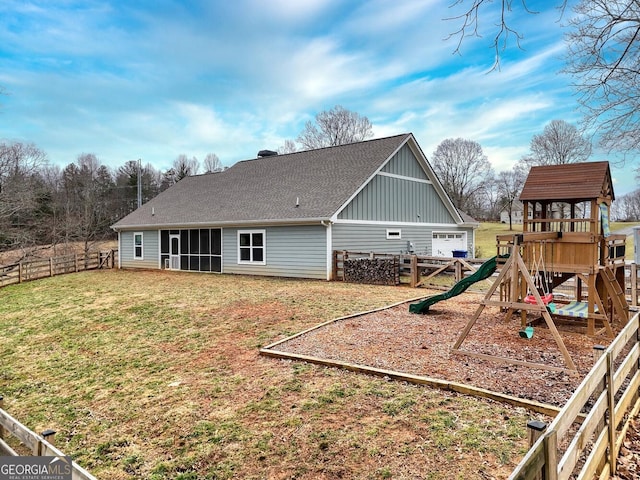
column 541, row 281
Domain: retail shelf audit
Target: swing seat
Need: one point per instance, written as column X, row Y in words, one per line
column 546, row 299
column 526, row 332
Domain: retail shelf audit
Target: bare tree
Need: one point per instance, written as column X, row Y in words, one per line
column 212, row 163
column 126, row 179
column 87, row 186
column 185, row 166
column 559, row 143
column 469, row 23
column 19, row 189
column 288, row 147
column 604, row 57
column 627, row 207
column 337, row 126
column 510, row 184
column 463, row 169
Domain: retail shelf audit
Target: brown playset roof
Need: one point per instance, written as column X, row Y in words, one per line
column 569, row 182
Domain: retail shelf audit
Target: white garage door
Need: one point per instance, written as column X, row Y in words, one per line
column 444, row 243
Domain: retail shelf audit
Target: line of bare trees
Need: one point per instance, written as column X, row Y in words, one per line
column 474, row 188
column 43, row 204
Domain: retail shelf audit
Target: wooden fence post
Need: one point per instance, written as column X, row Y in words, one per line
column 345, row 256
column 458, row 273
column 551, row 456
column 334, row 265
column 634, row 283
column 611, row 404
column 535, row 429
column 20, row 272
column 75, row 260
column 1, row 427
column 51, row 266
column 415, row 275
column 48, row 435
column 598, row 351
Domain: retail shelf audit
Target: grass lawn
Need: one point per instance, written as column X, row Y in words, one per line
column 157, row 375
column 486, row 236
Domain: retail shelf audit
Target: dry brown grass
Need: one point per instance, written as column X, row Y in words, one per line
column 157, row 375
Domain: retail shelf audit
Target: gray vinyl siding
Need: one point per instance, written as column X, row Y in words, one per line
column 291, row 251
column 390, row 199
column 404, row 163
column 373, row 237
column 150, row 249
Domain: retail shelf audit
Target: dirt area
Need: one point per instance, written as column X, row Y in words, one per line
column 395, row 339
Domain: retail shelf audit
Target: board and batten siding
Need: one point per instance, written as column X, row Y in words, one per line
column 373, row 237
column 150, row 249
column 291, row 251
column 399, row 193
column 404, row 163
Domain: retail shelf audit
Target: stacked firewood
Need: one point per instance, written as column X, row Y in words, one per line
column 372, row 271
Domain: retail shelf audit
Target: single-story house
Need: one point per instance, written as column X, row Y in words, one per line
column 284, row 215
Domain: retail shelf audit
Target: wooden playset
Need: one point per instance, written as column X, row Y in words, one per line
column 565, row 241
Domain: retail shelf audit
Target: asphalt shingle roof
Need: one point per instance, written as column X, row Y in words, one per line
column 266, row 189
column 572, row 181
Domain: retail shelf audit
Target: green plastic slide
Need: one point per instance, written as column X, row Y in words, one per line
column 484, row 272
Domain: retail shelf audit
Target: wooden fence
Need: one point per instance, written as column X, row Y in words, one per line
column 36, row 445
column 417, row 270
column 586, row 448
column 48, row 267
column 412, row 267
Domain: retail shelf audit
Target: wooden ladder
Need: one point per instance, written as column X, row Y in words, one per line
column 616, row 293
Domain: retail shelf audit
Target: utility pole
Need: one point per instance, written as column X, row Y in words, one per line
column 139, row 183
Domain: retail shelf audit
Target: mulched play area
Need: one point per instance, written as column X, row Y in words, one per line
column 416, row 344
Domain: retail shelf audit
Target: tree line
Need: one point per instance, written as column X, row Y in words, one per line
column 469, row 180
column 44, row 204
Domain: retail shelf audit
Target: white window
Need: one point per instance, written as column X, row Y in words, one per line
column 137, row 246
column 394, row 234
column 252, row 246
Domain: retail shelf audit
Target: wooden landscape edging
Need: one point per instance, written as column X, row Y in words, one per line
column 538, row 407
column 37, row 444
column 346, row 317
column 531, row 405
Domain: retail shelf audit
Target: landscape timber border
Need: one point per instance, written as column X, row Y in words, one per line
column 271, row 351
